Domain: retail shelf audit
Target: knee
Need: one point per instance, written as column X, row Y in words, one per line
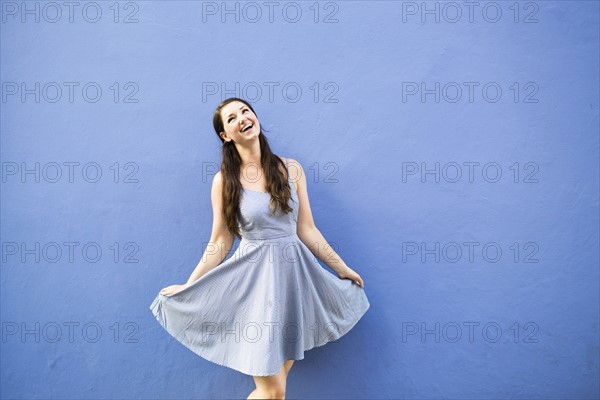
column 267, row 394
column 277, row 391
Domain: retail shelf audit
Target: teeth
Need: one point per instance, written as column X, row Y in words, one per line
column 248, row 127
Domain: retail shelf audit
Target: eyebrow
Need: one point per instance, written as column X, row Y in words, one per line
column 232, row 113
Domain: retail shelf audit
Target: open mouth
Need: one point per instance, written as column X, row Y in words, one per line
column 246, row 129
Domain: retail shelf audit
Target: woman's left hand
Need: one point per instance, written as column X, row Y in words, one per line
column 170, row 290
column 349, row 273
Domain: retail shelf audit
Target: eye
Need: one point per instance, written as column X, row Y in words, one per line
column 243, row 111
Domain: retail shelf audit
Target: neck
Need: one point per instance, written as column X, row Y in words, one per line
column 250, row 155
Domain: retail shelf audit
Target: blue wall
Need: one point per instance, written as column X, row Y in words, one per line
column 408, row 169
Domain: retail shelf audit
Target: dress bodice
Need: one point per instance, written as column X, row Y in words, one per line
column 258, row 222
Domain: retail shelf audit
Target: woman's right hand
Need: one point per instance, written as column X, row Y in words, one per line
column 169, row 290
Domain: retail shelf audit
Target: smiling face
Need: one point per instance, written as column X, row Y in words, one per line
column 239, row 122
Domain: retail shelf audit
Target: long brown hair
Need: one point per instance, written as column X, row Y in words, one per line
column 276, row 177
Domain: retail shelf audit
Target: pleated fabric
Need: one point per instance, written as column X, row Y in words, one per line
column 269, row 302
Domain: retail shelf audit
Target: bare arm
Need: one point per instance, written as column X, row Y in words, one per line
column 215, row 253
column 314, row 240
column 220, row 242
column 308, row 232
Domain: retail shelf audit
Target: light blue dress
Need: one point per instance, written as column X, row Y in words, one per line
column 269, row 302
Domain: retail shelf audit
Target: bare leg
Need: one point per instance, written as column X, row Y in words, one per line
column 271, row 387
column 288, row 365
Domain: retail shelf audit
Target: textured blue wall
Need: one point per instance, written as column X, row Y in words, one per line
column 452, row 153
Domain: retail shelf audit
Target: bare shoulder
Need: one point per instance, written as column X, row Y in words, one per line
column 218, row 176
column 291, row 161
column 217, row 184
column 296, row 171
column 218, row 179
column 296, row 167
column 219, row 226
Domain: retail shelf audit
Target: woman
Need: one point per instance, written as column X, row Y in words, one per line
column 262, row 308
